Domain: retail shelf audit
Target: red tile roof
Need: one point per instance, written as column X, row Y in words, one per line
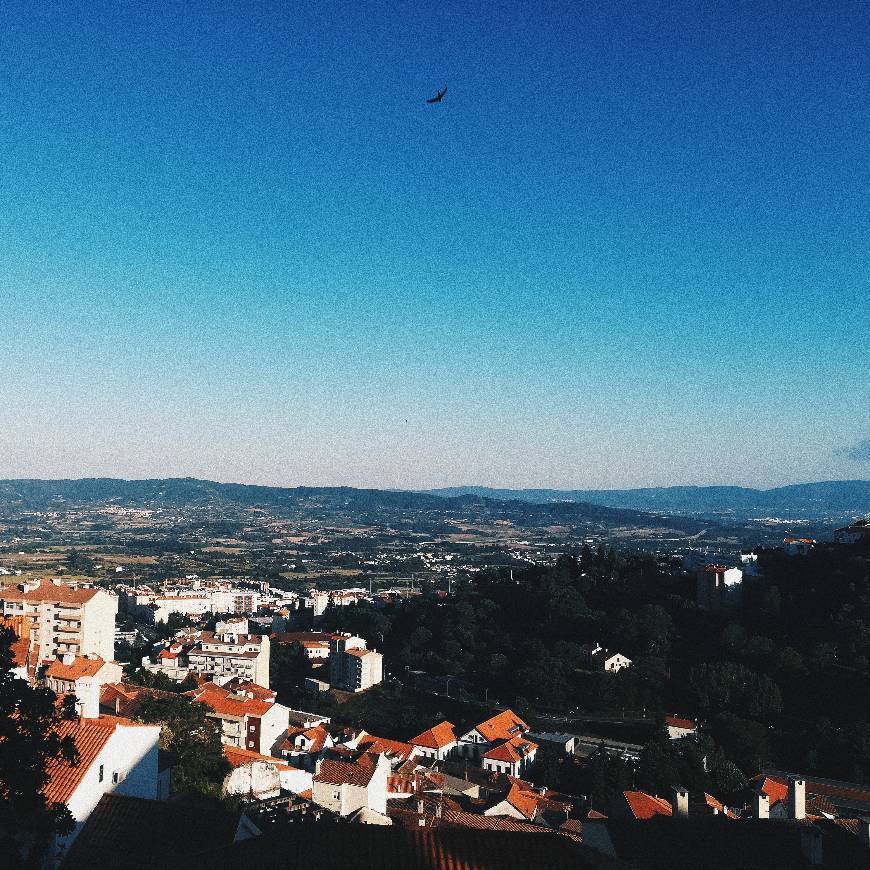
column 502, row 726
column 48, row 591
column 511, row 750
column 775, row 789
column 225, row 703
column 82, row 666
column 645, row 806
column 525, row 803
column 240, row 757
column 437, row 737
column 317, row 735
column 89, row 736
column 380, row 746
column 341, row 772
column 676, row 722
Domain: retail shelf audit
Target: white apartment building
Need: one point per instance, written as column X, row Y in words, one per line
column 352, row 667
column 245, row 656
column 65, row 619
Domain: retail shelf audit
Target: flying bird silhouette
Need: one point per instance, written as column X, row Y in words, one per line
column 438, row 97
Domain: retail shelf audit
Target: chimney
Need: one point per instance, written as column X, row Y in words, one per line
column 68, row 660
column 797, row 798
column 87, row 698
column 761, row 806
column 680, row 802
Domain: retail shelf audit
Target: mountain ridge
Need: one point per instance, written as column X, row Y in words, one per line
column 837, row 497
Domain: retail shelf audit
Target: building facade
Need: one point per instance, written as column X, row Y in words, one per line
column 64, row 619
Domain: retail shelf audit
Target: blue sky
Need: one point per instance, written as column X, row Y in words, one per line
column 629, row 248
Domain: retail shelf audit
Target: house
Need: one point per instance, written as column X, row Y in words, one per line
column 396, row 751
column 503, row 726
column 115, row 755
column 345, row 787
column 797, row 546
column 512, row 757
column 719, row 587
column 64, row 619
column 679, row 727
column 67, row 673
column 439, row 742
column 601, row 659
column 231, row 655
column 249, row 716
column 353, row 667
column 534, row 805
column 304, row 747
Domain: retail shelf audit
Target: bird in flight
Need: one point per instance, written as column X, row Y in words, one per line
column 438, row 97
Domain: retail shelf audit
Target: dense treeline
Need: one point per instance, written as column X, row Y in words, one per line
column 783, row 679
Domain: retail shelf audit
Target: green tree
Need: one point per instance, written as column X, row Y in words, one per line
column 29, row 744
column 193, row 737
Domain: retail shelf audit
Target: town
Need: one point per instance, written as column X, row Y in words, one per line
column 333, row 688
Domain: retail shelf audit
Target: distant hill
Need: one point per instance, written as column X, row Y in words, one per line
column 834, row 498
column 359, row 504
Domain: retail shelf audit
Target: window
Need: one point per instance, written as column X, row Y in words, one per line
column 336, row 794
column 252, row 728
column 118, row 776
column 100, row 774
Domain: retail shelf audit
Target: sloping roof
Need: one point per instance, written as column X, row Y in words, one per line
column 225, row 703
column 341, row 772
column 524, row 802
column 133, row 833
column 511, row 750
column 317, row 734
column 381, row 745
column 775, row 789
column 502, row 726
column 238, row 757
column 82, row 666
column 645, row 806
column 375, row 847
column 126, row 698
column 842, row 794
column 89, row 736
column 48, row 591
column 676, row 722
column 437, row 737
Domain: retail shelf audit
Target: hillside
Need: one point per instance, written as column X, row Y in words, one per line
column 825, row 500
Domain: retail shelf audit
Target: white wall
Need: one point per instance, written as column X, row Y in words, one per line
column 132, row 749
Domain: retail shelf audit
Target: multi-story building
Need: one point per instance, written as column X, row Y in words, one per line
column 230, row 654
column 352, row 667
column 249, row 716
column 65, row 619
column 71, row 673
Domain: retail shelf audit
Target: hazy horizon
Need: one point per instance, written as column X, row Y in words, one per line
column 628, row 249
column 495, row 487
